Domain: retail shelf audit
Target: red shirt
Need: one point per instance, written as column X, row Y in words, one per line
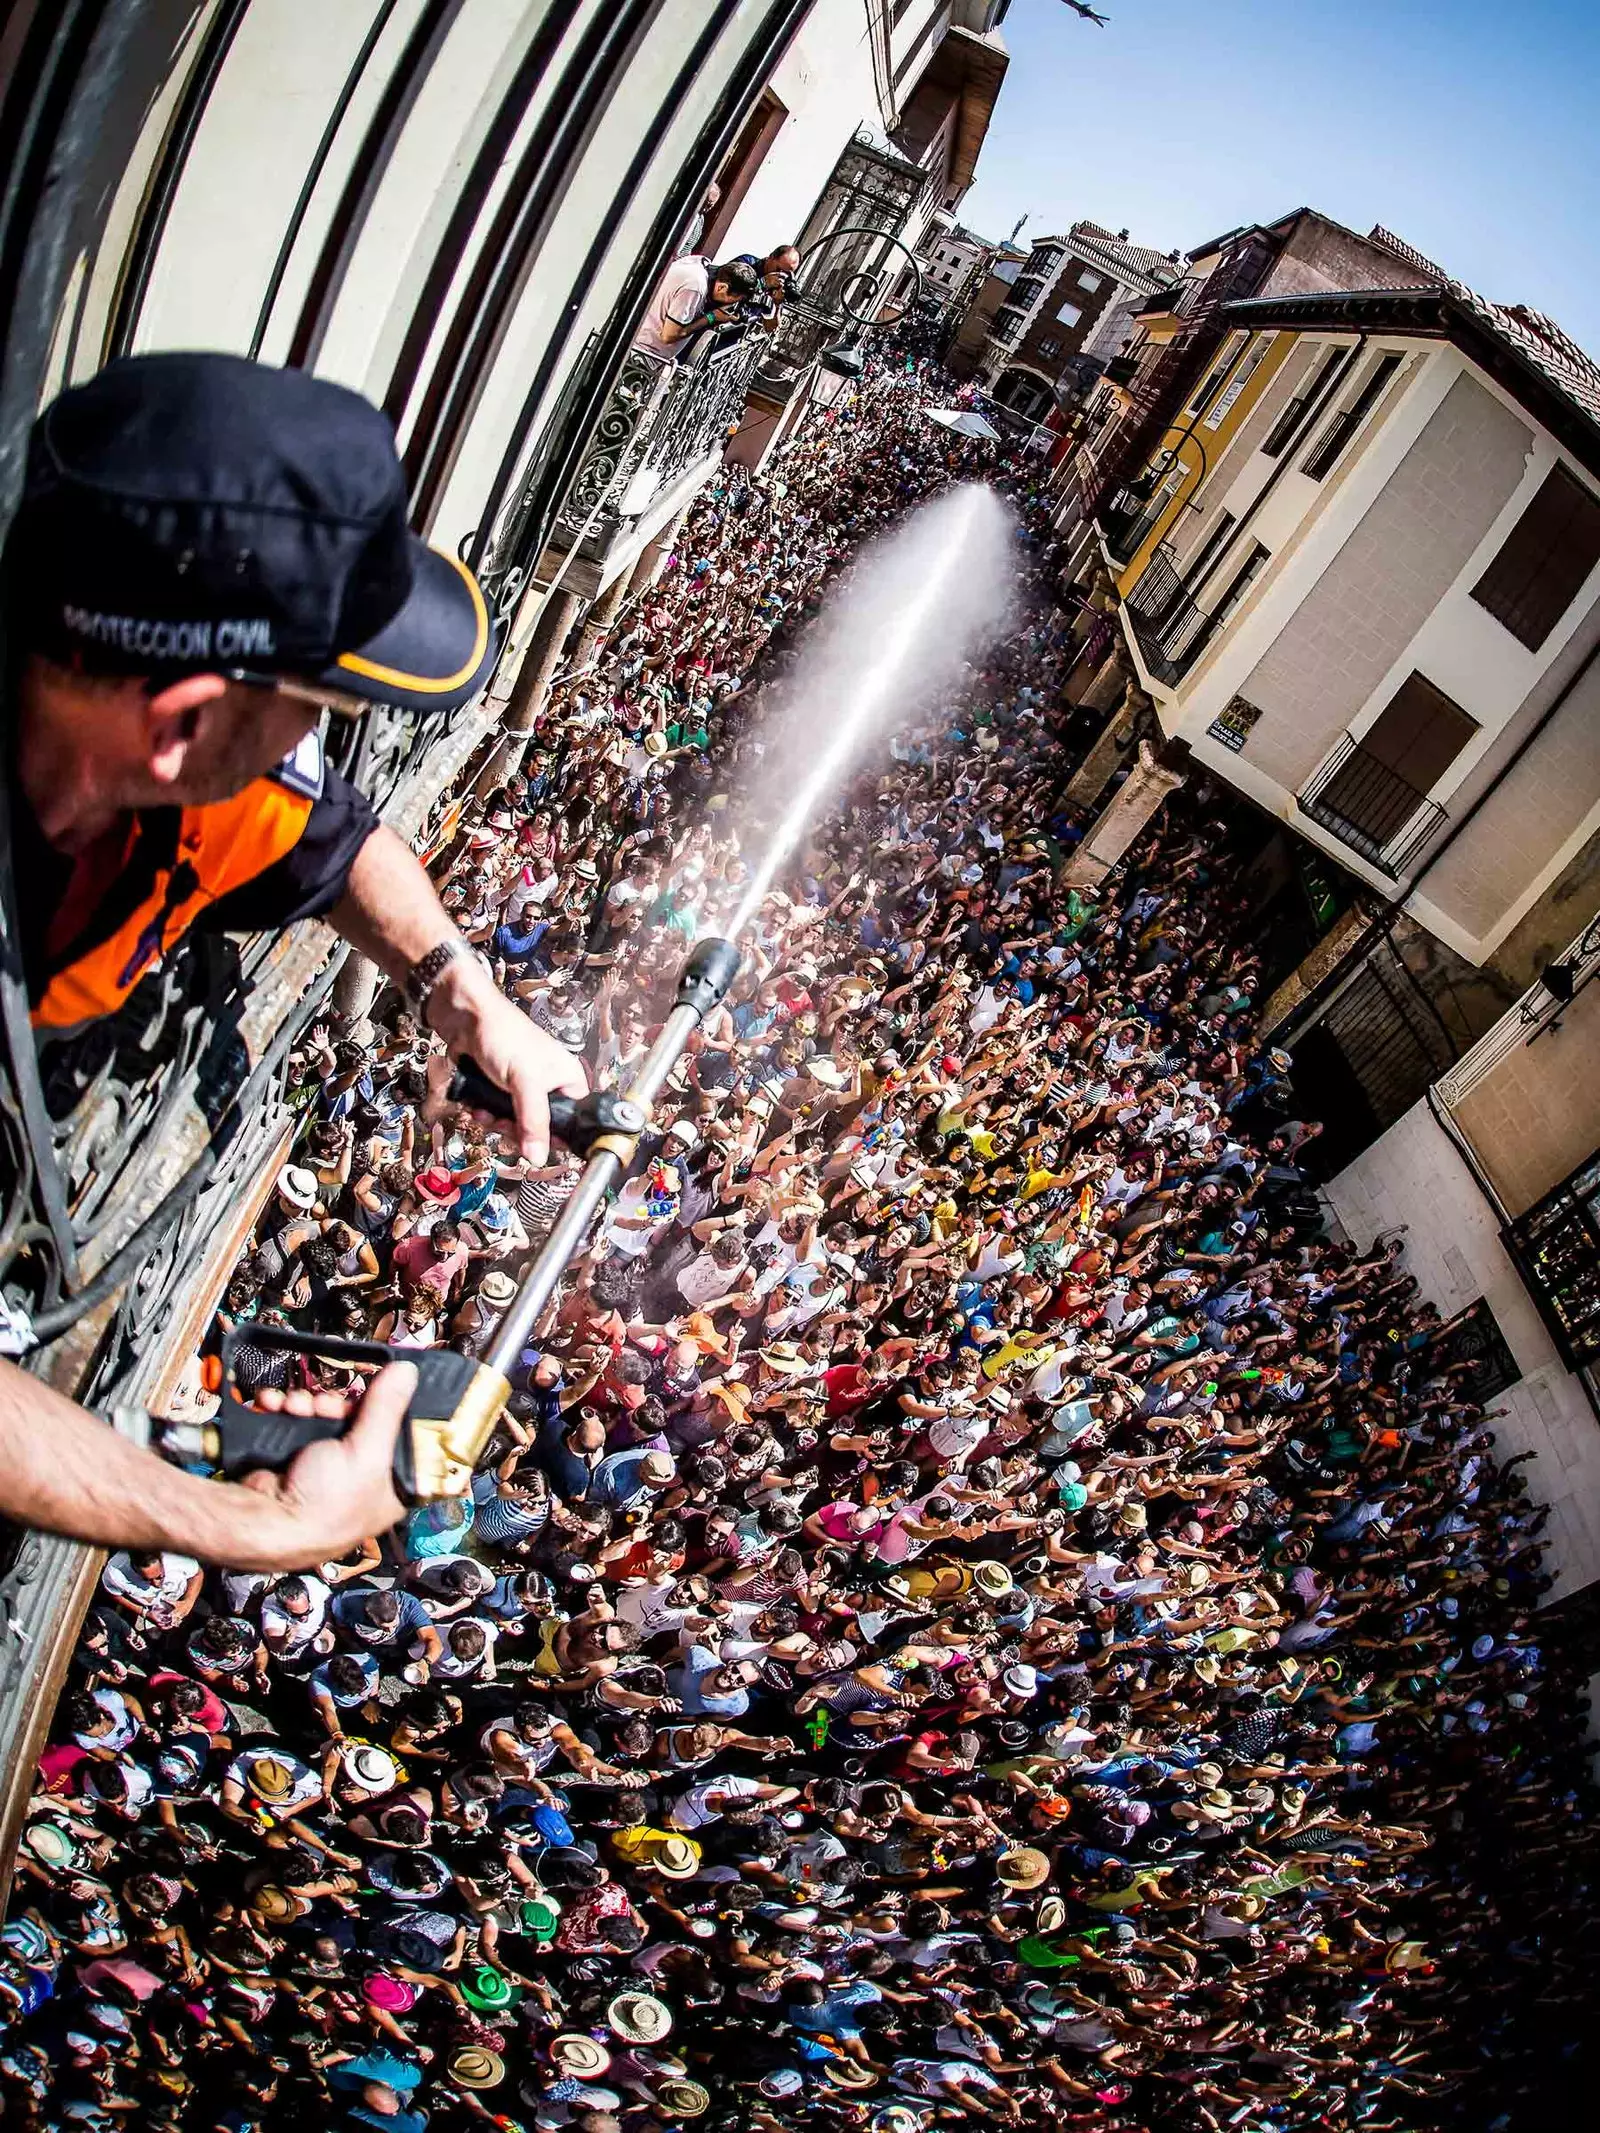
column 848, row 1387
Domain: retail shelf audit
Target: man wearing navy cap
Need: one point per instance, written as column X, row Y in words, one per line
column 207, row 555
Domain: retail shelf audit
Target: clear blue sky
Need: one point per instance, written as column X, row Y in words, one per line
column 1471, row 129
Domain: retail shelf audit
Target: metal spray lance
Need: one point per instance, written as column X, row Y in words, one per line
column 460, row 1398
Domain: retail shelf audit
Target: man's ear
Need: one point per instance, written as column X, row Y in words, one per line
column 172, row 719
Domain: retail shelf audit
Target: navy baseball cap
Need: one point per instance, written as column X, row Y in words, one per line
column 196, row 513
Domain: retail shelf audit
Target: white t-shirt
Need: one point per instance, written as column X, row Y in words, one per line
column 630, row 1203
column 693, row 1809
column 957, row 1437
column 703, row 1278
column 287, row 1633
column 176, row 1571
column 646, row 1607
column 680, row 297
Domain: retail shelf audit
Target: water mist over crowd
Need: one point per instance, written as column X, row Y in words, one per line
column 915, row 608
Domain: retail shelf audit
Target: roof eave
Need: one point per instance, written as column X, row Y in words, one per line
column 1435, row 314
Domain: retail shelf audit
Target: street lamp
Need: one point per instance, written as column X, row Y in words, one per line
column 838, row 367
column 1147, row 484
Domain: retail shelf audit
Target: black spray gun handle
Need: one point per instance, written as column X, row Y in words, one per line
column 578, row 1121
column 450, row 1417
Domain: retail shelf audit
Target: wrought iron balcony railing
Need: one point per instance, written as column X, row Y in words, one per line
column 663, row 418
column 1128, row 524
column 1170, row 628
column 1371, row 808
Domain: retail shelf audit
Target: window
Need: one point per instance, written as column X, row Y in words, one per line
column 1050, row 348
column 1373, row 792
column 1283, row 431
column 1069, row 314
column 1556, row 1245
column 1211, row 384
column 1548, row 553
column 1007, row 270
column 1325, row 454
column 1196, row 573
column 738, row 171
column 1088, row 279
column 1240, row 379
column 1419, row 733
column 1255, row 562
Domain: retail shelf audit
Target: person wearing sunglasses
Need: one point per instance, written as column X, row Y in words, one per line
column 210, row 557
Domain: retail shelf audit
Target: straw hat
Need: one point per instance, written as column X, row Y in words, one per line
column 298, row 1185
column 675, row 1857
column 541, row 1916
column 699, row 1328
column 50, row 1843
column 1020, row 1681
column 639, row 2017
column 655, row 744
column 497, row 1288
column 579, row 2055
column 994, row 1580
column 785, row 1357
column 272, row 1779
column 392, row 1994
column 1052, row 1915
column 486, row 1988
column 845, row 2074
column 1023, row 1867
column 687, row 2098
column 475, row 2068
column 896, row 2118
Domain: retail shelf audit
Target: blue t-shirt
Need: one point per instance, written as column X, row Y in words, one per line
column 685, row 1681
column 349, row 1614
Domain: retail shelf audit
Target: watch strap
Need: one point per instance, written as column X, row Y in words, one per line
column 428, row 969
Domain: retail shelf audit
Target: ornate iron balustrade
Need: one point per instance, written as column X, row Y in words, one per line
column 703, row 405
column 1371, row 808
column 662, row 419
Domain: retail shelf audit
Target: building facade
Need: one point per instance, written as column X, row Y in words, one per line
column 1336, row 520
column 1069, row 292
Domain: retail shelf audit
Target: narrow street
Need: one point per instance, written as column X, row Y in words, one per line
column 981, row 1609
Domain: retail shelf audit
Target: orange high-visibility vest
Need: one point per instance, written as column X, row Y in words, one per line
column 219, row 849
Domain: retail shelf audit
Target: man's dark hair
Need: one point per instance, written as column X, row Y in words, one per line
column 738, row 276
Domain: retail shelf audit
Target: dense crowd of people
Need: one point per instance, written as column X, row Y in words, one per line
column 979, row 1610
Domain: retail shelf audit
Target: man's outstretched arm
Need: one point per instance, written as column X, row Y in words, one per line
column 63, row 1471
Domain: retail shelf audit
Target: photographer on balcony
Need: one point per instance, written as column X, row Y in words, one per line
column 208, row 554
column 694, row 297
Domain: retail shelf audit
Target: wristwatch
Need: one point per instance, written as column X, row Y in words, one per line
column 428, row 969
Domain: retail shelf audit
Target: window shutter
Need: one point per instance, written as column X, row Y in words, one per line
column 1547, row 555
